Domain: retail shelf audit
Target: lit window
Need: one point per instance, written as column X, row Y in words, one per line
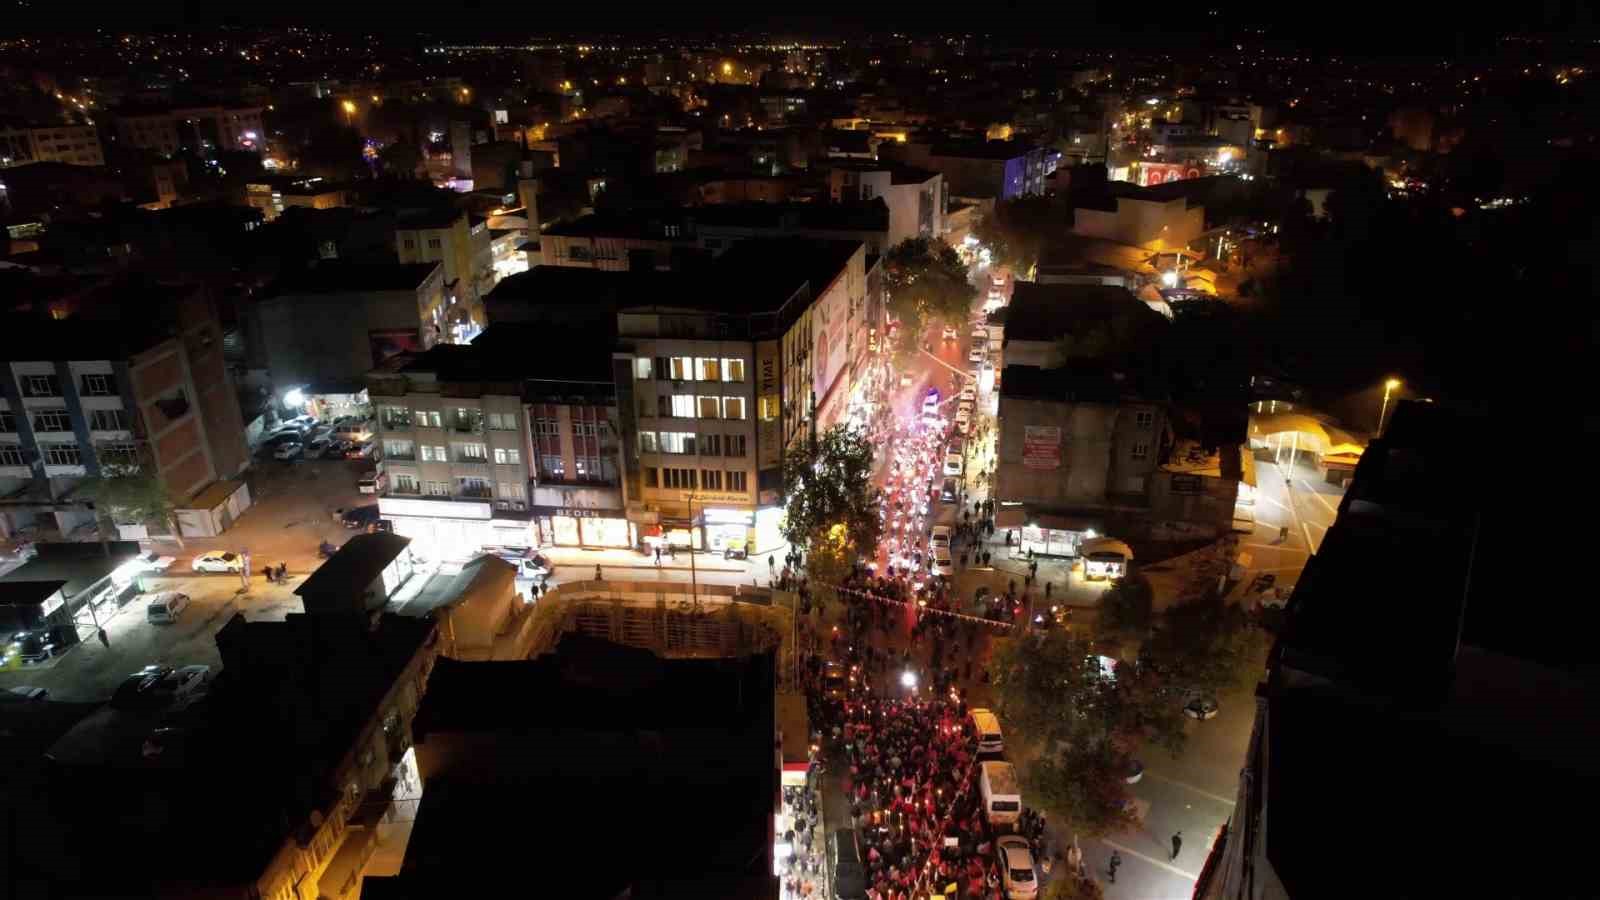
column 709, row 408
column 642, row 368
column 733, row 408
column 683, row 406
column 733, row 369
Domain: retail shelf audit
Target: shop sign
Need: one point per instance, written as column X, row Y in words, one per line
column 1187, row 484
column 578, row 512
column 728, row 517
column 1041, row 446
column 441, row 509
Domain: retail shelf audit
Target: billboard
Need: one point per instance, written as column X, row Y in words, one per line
column 829, row 320
column 769, row 394
column 1041, row 446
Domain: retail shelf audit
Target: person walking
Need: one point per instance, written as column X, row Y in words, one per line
column 597, row 572
column 1116, row 860
column 1177, row 843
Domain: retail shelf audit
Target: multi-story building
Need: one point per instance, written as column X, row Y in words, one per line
column 318, row 708
column 326, row 327
column 78, row 145
column 461, row 243
column 455, row 452
column 201, row 129
column 1165, row 217
column 144, row 388
column 273, row 193
column 718, row 376
column 915, row 197
column 983, row 170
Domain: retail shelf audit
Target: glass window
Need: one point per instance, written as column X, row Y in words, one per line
column 647, row 442
column 399, row 449
column 1140, row 450
column 711, row 479
column 732, row 369
column 510, row 490
column 102, row 420
column 642, row 369
column 710, row 408
column 553, row 466
column 683, row 406
column 42, row 386
column 1144, row 418
column 733, row 407
column 682, row 368
column 710, row 445
column 97, row 385
column 51, row 420
column 11, row 455
column 769, row 408
column 736, row 482
column 650, row 479
column 472, row 453
column 677, row 442
column 62, row 455
column 8, row 420
column 405, row 484
column 118, row 454
column 709, row 368
column 507, row 456
column 733, row 445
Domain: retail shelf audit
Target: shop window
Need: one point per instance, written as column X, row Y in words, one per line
column 733, row 369
column 710, row 408
column 733, row 408
column 737, row 482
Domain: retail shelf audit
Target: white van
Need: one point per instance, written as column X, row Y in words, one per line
column 1002, row 797
column 164, row 607
column 987, row 726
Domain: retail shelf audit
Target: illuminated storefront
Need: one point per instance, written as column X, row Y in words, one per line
column 453, row 530
column 728, row 529
column 1044, row 534
column 567, row 526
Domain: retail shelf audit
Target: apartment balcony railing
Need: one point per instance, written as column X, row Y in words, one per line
column 475, row 493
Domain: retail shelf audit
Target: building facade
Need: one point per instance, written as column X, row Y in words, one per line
column 199, row 129
column 77, row 145
column 462, row 245
column 104, row 400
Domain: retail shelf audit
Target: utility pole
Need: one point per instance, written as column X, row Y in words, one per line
column 694, row 583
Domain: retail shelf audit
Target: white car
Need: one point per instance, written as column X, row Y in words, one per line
column 940, row 539
column 930, row 402
column 287, row 451
column 963, row 420
column 1016, row 867
column 977, row 355
column 218, row 561
column 969, row 394
column 948, row 333
column 941, row 564
column 953, row 464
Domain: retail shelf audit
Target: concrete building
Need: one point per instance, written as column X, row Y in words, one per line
column 204, row 130
column 1484, row 701
column 671, row 238
column 461, row 243
column 317, row 708
column 981, row 170
column 915, row 197
column 1160, row 218
column 328, row 326
column 77, row 145
column 145, row 387
column 718, row 375
column 272, row 194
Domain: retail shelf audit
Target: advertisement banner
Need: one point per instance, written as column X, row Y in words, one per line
column 1041, row 446
column 769, row 393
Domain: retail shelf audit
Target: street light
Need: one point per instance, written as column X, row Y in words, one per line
column 908, row 678
column 1388, row 388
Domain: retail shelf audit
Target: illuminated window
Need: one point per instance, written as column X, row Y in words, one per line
column 708, row 368
column 769, row 408
column 709, row 408
column 733, row 408
column 683, row 406
column 642, row 369
column 733, row 369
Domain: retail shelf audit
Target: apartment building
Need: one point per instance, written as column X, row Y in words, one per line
column 272, row 194
column 461, row 243
column 196, row 128
column 146, row 387
column 718, row 376
column 317, row 710
column 915, row 197
column 77, row 145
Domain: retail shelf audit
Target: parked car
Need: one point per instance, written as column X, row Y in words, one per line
column 361, row 516
column 1016, row 867
column 279, row 438
column 288, row 451
column 969, row 393
column 337, row 449
column 362, row 450
column 372, row 483
column 316, row 446
column 139, row 690
column 218, row 561
column 835, row 683
column 32, row 646
column 164, row 607
column 304, row 423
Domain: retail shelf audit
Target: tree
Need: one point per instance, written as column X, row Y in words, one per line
column 135, row 496
column 1016, row 230
column 926, row 281
column 401, row 159
column 1127, row 608
column 828, row 483
column 1204, row 645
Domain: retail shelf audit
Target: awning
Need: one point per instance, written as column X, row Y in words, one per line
column 1018, row 516
column 1105, row 545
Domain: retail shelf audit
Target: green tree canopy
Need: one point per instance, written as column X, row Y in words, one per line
column 927, row 281
column 830, row 494
column 133, row 496
column 1017, row 230
column 1204, row 645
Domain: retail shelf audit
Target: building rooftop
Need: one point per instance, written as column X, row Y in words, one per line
column 436, row 217
column 28, row 593
column 1087, row 382
column 333, row 277
column 682, row 747
column 899, row 173
column 348, row 573
column 74, row 567
column 994, row 150
column 1047, row 312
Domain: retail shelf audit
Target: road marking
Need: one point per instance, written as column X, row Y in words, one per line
column 1273, row 502
column 1151, row 860
column 1278, row 547
column 1189, row 787
column 1309, row 543
column 1325, row 504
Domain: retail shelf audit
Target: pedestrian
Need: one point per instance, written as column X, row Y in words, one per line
column 672, row 552
column 1116, row 860
column 1047, row 587
column 105, row 639
column 597, row 572
column 772, row 563
column 658, row 556
column 1177, row 843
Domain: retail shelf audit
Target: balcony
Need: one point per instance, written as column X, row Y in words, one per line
column 468, row 492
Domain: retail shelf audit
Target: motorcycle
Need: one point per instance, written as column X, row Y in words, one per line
column 327, row 550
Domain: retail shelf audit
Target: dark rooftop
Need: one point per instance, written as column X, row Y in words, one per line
column 348, row 573
column 1087, row 382
column 1047, row 312
column 997, row 150
column 27, row 593
column 74, row 567
column 352, row 277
